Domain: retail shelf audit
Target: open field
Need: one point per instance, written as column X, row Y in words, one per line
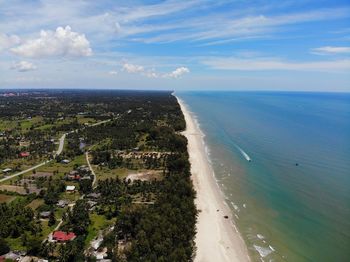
column 98, row 222
column 11, row 188
column 103, row 173
column 61, row 168
column 35, row 203
column 22, row 124
column 6, row 198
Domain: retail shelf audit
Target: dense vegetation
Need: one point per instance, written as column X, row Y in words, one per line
column 153, row 219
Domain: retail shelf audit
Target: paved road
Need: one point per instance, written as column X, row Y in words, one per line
column 24, row 171
column 58, row 152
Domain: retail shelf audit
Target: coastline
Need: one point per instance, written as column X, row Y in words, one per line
column 217, row 239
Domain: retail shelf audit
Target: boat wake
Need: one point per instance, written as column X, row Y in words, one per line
column 246, row 156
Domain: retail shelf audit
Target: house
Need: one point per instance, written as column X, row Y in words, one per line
column 95, row 244
column 24, row 154
column 70, row 188
column 101, row 254
column 61, row 236
column 91, row 204
column 12, row 256
column 84, row 169
column 24, row 143
column 62, row 203
column 73, row 175
column 6, row 170
column 45, row 214
column 94, row 195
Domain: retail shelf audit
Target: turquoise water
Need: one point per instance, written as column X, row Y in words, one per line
column 292, row 201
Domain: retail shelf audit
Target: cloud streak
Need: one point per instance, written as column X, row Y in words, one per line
column 331, row 50
column 273, row 64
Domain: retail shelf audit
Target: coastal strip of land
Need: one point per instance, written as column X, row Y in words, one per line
column 217, row 239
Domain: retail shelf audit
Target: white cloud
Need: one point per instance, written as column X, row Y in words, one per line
column 152, row 74
column 62, row 42
column 331, row 50
column 7, row 41
column 113, row 72
column 178, row 72
column 265, row 64
column 23, row 66
column 132, row 68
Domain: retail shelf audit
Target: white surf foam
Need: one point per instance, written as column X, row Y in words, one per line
column 260, row 236
column 235, row 206
column 263, row 251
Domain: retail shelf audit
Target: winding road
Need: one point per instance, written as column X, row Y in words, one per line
column 58, row 152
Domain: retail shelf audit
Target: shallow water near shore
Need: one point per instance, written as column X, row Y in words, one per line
column 282, row 161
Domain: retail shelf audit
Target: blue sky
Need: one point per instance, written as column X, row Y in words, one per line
column 181, row 45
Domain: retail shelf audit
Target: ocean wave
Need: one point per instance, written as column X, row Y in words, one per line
column 235, row 206
column 260, row 236
column 263, row 251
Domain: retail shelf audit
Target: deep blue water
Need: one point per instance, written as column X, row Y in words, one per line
column 292, row 201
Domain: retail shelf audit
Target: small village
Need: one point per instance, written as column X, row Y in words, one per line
column 82, row 185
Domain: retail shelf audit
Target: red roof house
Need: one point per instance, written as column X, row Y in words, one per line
column 63, row 236
column 24, row 154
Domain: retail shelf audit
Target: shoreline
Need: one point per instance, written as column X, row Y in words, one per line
column 217, row 238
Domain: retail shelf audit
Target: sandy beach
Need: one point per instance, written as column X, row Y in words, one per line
column 216, row 239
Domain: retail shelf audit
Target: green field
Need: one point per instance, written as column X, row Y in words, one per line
column 98, row 222
column 103, row 173
column 35, row 203
column 63, row 168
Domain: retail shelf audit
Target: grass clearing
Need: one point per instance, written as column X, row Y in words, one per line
column 98, row 222
column 35, row 203
column 70, row 196
column 63, row 168
column 6, row 198
column 103, row 173
column 46, row 229
column 15, row 243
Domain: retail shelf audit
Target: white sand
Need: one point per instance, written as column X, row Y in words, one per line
column 217, row 239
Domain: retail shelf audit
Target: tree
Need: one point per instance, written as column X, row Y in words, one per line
column 33, row 245
column 52, row 219
column 4, row 247
column 85, row 186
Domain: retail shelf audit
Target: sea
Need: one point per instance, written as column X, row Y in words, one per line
column 282, row 161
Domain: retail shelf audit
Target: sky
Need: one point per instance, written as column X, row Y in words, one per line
column 301, row 45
